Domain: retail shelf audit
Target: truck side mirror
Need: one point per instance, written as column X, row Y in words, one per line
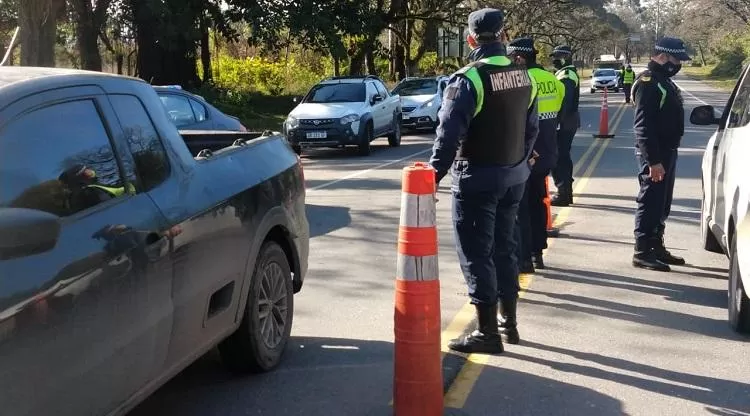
column 703, row 116
column 26, row 232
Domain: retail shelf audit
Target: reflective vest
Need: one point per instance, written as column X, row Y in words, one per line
column 628, row 77
column 550, row 93
column 115, row 191
column 505, row 92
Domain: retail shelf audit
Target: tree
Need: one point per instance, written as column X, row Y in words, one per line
column 91, row 17
column 38, row 23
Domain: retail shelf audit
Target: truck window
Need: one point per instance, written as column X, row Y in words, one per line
column 382, row 90
column 200, row 111
column 151, row 163
column 739, row 115
column 58, row 159
column 179, row 109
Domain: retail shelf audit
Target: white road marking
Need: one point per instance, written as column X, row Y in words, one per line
column 365, row 171
column 690, row 94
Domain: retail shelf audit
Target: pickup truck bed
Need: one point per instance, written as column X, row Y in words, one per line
column 128, row 250
column 215, row 140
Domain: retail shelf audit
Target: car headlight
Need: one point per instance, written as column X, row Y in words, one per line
column 427, row 104
column 349, row 119
column 292, row 123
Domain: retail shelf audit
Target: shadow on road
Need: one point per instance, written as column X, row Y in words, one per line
column 326, row 219
column 640, row 314
column 357, row 184
column 726, row 394
column 670, row 291
column 346, row 377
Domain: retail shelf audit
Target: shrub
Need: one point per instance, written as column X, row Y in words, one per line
column 263, row 76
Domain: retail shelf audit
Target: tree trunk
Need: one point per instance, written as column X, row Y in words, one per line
column 157, row 64
column 119, row 59
column 370, row 55
column 205, row 51
column 87, row 35
column 38, row 22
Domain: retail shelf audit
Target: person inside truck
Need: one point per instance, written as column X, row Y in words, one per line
column 85, row 190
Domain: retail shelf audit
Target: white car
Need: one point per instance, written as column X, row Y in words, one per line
column 420, row 100
column 605, row 78
column 345, row 111
column 725, row 224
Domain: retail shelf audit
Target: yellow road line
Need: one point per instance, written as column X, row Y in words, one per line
column 464, row 383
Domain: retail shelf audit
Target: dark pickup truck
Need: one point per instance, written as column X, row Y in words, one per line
column 127, row 250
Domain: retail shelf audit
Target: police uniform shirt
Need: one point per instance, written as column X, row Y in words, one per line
column 659, row 121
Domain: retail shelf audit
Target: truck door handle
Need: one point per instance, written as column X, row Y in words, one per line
column 155, row 244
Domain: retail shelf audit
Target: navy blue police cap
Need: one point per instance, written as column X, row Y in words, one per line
column 522, row 46
column 561, row 50
column 672, row 46
column 486, row 24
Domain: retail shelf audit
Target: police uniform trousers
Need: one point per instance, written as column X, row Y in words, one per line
column 532, row 217
column 654, row 199
column 627, row 88
column 484, row 218
column 563, row 172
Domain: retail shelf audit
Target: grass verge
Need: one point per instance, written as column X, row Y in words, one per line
column 704, row 73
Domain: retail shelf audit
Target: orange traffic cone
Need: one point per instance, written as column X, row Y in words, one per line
column 604, row 120
column 417, row 376
column 551, row 231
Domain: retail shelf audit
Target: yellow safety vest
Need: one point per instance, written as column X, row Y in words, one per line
column 473, row 75
column 550, row 93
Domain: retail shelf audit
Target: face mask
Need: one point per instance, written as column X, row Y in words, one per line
column 558, row 63
column 671, row 69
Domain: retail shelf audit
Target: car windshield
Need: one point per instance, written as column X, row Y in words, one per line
column 416, row 87
column 605, row 73
column 337, row 93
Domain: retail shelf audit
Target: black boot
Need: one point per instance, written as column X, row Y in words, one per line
column 564, row 196
column 509, row 324
column 645, row 257
column 664, row 255
column 538, row 260
column 526, row 267
column 486, row 339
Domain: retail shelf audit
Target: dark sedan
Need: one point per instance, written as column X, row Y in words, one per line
column 192, row 112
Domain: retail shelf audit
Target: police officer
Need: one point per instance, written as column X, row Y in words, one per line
column 628, row 76
column 488, row 125
column 570, row 121
column 532, row 213
column 659, row 126
column 86, row 191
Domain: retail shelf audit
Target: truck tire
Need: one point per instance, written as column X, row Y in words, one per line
column 258, row 344
column 394, row 139
column 739, row 303
column 364, row 148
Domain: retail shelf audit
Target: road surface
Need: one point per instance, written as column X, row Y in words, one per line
column 598, row 336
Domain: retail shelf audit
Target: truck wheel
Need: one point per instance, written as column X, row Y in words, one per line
column 259, row 342
column 364, row 146
column 739, row 304
column 394, row 139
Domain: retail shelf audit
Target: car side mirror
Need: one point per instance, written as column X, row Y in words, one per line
column 297, row 99
column 26, row 232
column 376, row 99
column 704, row 116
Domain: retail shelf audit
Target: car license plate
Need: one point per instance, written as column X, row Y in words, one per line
column 405, row 117
column 317, row 135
